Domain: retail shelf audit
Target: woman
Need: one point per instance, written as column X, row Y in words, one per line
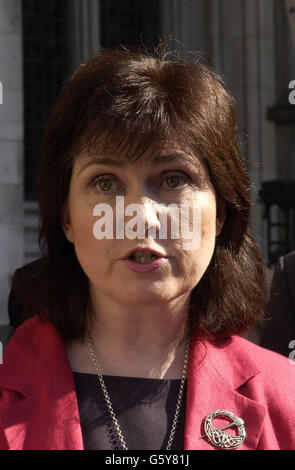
column 136, row 344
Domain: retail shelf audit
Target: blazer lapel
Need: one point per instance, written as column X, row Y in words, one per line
column 215, row 381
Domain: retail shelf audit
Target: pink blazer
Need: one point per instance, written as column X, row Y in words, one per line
column 38, row 402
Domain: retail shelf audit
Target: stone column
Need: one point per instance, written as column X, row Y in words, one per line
column 84, row 30
column 183, row 20
column 11, row 147
column 213, row 34
column 260, row 93
column 290, row 11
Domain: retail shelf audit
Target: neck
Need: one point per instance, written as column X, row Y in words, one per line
column 140, row 341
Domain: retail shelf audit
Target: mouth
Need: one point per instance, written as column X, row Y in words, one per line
column 144, row 255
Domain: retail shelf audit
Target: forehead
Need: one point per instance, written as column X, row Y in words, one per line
column 122, row 156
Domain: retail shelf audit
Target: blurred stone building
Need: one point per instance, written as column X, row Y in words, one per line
column 249, row 42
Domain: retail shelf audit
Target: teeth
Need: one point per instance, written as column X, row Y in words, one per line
column 143, row 256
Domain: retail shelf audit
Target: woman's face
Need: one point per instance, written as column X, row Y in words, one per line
column 152, row 184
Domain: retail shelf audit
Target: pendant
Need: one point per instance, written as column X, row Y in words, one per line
column 218, row 437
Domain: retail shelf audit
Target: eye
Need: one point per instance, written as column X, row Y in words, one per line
column 176, row 181
column 104, row 183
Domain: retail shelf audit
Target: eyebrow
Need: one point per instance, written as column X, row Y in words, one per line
column 160, row 160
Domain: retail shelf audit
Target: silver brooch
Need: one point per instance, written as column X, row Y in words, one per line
column 218, row 436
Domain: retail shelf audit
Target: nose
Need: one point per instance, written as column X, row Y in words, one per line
column 145, row 223
column 151, row 217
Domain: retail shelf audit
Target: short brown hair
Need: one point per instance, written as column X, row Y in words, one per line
column 140, row 99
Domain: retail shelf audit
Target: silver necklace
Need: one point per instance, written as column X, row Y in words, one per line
column 109, row 403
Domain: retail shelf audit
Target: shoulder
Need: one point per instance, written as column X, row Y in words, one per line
column 263, row 357
column 31, row 335
column 276, row 372
column 36, row 345
column 239, row 360
column 260, row 374
column 34, row 328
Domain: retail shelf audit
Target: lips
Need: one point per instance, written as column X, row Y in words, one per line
column 145, row 267
column 141, row 263
column 149, row 250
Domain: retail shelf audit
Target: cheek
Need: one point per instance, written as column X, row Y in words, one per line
column 88, row 249
column 82, row 227
column 208, row 230
column 196, row 261
column 208, row 233
column 202, row 219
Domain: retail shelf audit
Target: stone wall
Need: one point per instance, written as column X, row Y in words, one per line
column 11, row 147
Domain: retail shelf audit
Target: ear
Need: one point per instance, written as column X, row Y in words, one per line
column 66, row 224
column 220, row 215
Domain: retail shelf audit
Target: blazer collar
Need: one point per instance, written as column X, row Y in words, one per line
column 47, row 402
column 217, row 380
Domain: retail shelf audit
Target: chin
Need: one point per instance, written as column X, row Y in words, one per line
column 150, row 293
